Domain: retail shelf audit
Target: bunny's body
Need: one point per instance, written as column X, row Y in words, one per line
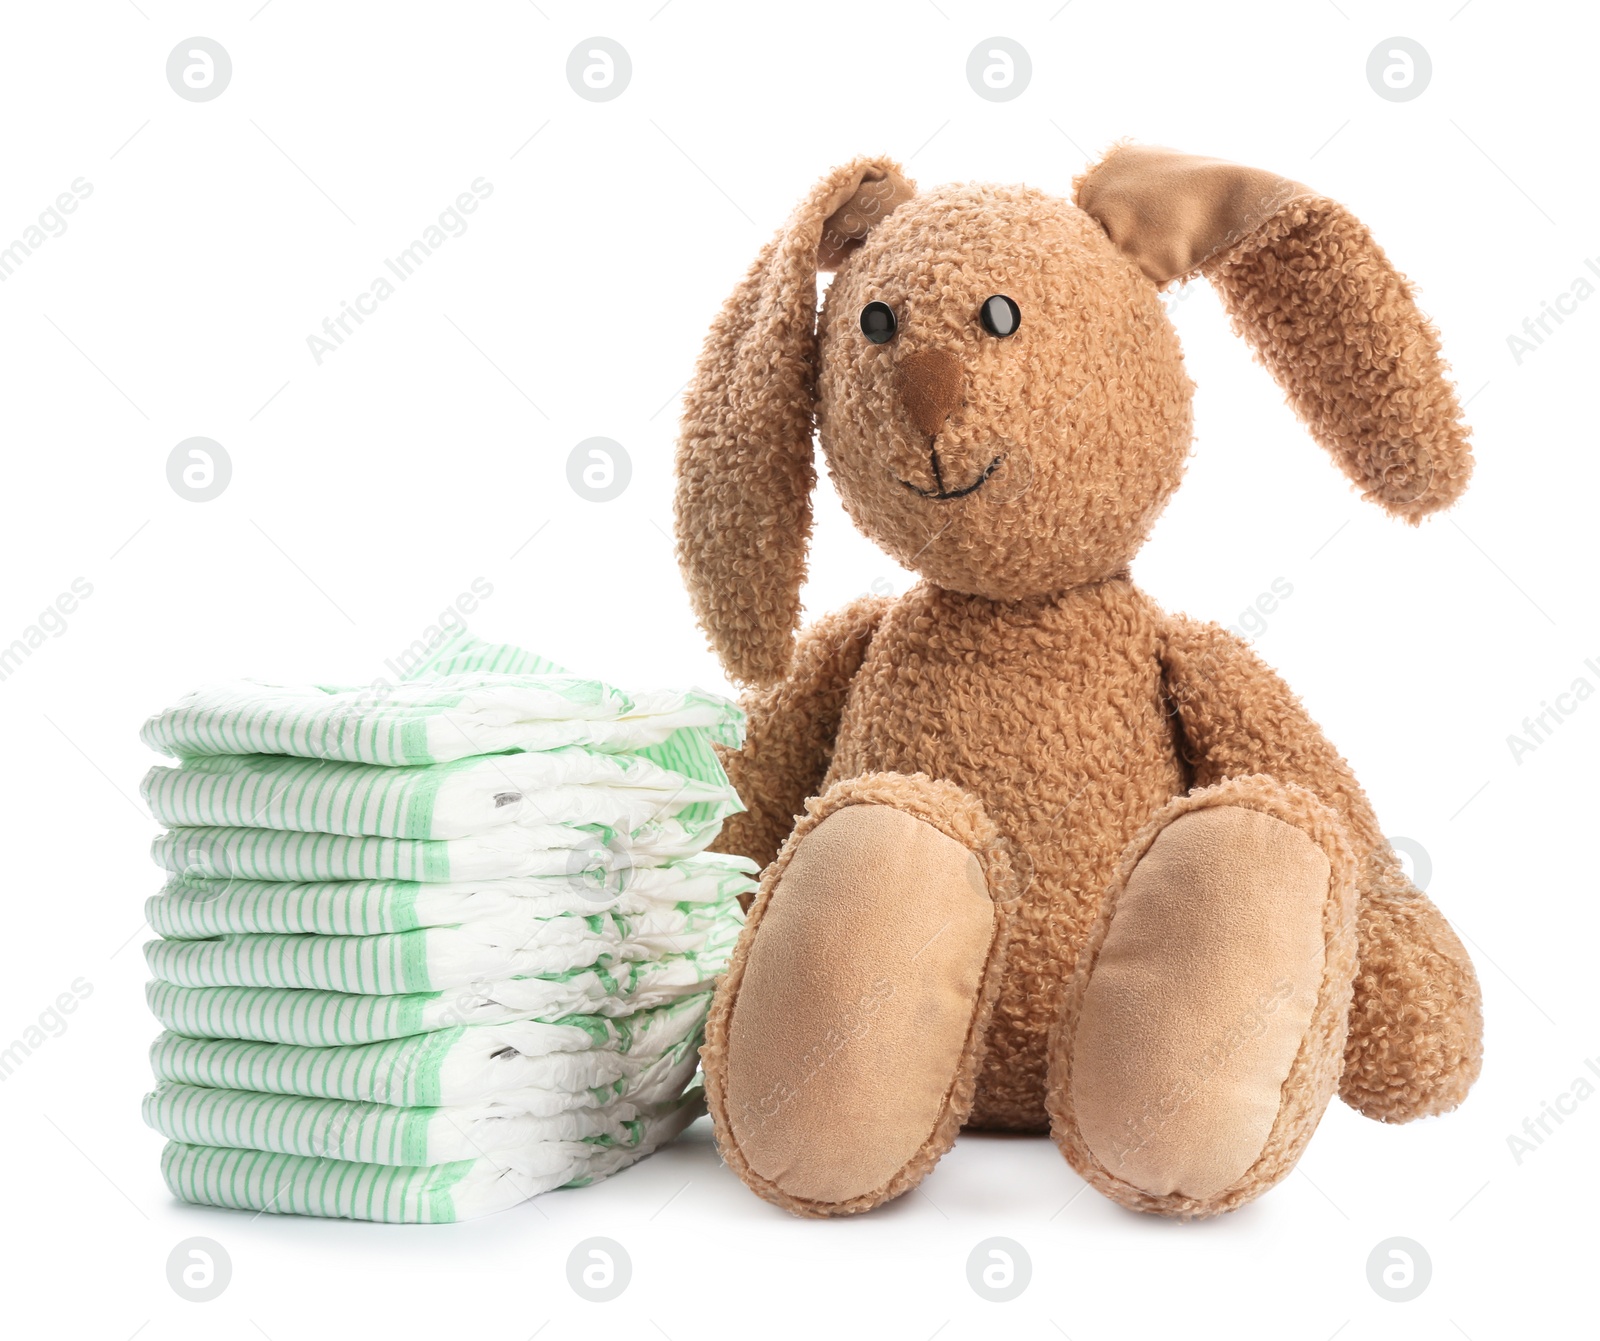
column 1079, row 752
column 1066, row 862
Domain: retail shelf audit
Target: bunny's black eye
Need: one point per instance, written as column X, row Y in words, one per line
column 877, row 323
column 1000, row 316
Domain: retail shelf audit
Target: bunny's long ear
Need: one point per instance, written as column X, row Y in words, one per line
column 1311, row 291
column 745, row 470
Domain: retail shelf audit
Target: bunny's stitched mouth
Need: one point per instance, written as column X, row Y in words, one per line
column 939, row 493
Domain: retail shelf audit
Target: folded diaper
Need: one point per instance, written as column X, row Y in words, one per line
column 533, row 849
column 370, row 1133
column 436, row 958
column 432, row 721
column 328, row 1019
column 526, row 1064
column 258, row 1180
column 192, row 907
column 567, row 787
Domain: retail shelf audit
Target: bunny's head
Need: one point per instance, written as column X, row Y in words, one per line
column 999, row 395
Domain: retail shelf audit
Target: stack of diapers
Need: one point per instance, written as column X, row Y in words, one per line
column 429, row 952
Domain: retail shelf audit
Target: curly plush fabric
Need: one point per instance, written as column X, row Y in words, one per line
column 1416, row 1025
column 1302, row 291
column 1018, row 476
column 746, row 435
column 1050, row 711
column 1094, row 370
column 792, row 728
column 1313, row 293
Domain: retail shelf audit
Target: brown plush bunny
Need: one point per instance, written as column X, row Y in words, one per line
column 1065, row 861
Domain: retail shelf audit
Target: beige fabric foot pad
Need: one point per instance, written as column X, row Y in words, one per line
column 842, row 1046
column 1203, row 1033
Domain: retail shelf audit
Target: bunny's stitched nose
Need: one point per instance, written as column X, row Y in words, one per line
column 929, row 384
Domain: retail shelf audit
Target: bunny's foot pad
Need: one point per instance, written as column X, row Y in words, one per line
column 843, row 1047
column 1203, row 1032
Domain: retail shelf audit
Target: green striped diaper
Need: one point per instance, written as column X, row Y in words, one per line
column 194, row 907
column 329, row 1019
column 576, row 1063
column 382, row 1134
column 455, row 800
column 433, row 721
column 436, row 958
column 520, row 850
column 284, row 1184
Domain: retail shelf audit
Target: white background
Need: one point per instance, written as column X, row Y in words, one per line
column 367, row 492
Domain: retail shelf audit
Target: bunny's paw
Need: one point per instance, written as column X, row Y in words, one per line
column 843, row 1045
column 1202, row 1035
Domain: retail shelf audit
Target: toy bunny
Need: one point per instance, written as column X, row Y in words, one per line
column 1063, row 861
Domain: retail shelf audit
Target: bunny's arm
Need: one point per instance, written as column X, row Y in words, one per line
column 1416, row 1025
column 1238, row 717
column 792, row 725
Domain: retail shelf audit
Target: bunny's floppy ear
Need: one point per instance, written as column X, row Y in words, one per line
column 1315, row 296
column 745, row 469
